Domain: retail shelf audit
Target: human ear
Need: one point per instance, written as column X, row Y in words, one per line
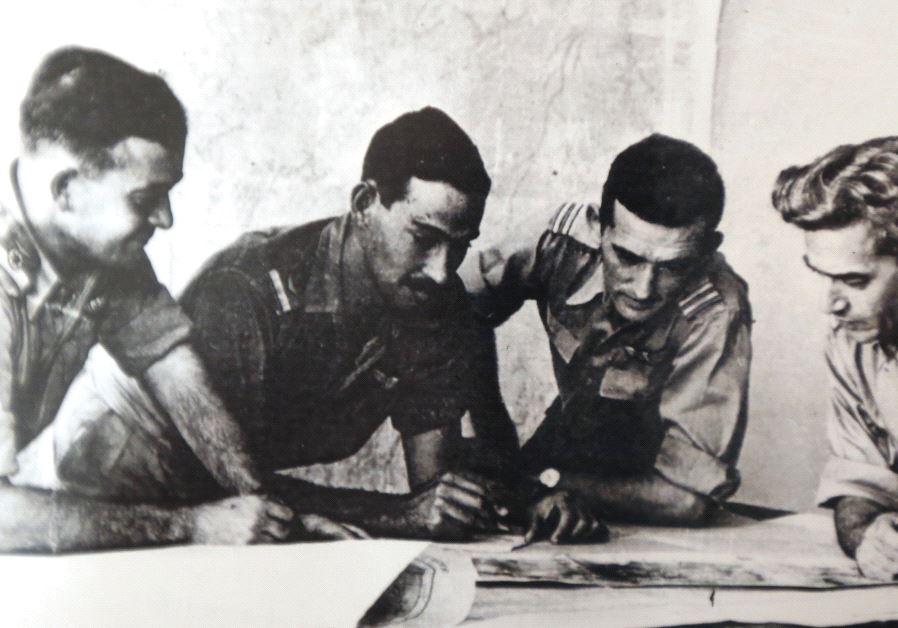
column 713, row 242
column 363, row 196
column 59, row 187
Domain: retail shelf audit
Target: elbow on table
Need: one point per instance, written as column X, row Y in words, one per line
column 692, row 510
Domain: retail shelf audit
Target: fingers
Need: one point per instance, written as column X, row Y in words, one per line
column 464, row 516
column 533, row 530
column 357, row 532
column 469, row 483
column 566, row 521
column 278, row 530
column 278, row 511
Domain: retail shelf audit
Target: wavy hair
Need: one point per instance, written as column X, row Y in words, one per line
column 850, row 183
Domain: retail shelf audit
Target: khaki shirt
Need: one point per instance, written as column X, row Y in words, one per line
column 47, row 327
column 862, row 423
column 672, row 389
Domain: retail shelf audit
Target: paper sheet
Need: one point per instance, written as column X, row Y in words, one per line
column 309, row 584
column 625, row 608
column 794, row 551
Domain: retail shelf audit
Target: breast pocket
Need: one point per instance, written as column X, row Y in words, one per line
column 635, row 376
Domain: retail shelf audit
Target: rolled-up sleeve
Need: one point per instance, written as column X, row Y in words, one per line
column 8, row 447
column 500, row 278
column 142, row 322
column 704, row 405
column 856, row 466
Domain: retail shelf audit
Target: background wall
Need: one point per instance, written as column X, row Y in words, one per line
column 794, row 80
column 283, row 97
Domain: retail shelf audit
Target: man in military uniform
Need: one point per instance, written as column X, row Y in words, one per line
column 847, row 203
column 315, row 334
column 103, row 144
column 649, row 335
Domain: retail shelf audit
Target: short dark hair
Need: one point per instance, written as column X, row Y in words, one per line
column 850, row 183
column 429, row 145
column 89, row 101
column 664, row 181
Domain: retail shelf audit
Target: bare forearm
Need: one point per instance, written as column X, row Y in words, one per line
column 852, row 517
column 181, row 386
column 32, row 520
column 645, row 498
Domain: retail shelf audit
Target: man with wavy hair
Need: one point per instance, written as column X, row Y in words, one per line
column 847, row 204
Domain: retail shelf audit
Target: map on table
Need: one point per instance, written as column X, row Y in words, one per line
column 797, row 551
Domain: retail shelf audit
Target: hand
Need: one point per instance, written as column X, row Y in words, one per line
column 877, row 555
column 316, row 527
column 564, row 519
column 452, row 508
column 240, row 520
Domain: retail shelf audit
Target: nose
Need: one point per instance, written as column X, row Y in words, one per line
column 436, row 268
column 836, row 303
column 642, row 283
column 161, row 217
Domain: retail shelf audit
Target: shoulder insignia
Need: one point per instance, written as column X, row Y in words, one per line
column 280, row 291
column 703, row 297
column 564, row 217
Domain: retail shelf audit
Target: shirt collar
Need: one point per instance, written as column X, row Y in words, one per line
column 322, row 293
column 20, row 255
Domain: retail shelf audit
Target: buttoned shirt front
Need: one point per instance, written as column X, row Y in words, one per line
column 862, row 422
column 47, row 327
column 668, row 394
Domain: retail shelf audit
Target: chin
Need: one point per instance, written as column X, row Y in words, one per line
column 862, row 335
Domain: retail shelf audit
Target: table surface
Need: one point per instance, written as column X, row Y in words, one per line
column 736, row 569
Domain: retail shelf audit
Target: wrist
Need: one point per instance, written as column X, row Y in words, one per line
column 181, row 525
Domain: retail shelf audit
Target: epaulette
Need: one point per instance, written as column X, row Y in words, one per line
column 700, row 299
column 564, row 217
column 572, row 220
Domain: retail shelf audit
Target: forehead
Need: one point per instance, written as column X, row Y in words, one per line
column 145, row 159
column 656, row 243
column 841, row 251
column 440, row 205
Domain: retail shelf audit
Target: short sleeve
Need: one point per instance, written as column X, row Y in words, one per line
column 704, row 404
column 500, row 278
column 141, row 322
column 8, row 330
column 231, row 340
column 856, row 465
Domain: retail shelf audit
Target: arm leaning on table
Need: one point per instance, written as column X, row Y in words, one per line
column 38, row 520
column 703, row 411
column 703, row 405
column 859, row 480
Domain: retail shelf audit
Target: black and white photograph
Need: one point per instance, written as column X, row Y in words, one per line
column 494, row 313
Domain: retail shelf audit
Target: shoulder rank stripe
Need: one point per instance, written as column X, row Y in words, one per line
column 280, row 291
column 569, row 220
column 562, row 218
column 700, row 298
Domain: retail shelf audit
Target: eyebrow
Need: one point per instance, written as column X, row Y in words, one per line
column 839, row 276
column 673, row 263
column 444, row 234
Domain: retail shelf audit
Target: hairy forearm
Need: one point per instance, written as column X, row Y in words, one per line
column 180, row 384
column 644, row 498
column 853, row 515
column 33, row 520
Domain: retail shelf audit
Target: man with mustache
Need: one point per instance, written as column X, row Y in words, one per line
column 315, row 334
column 847, row 204
column 649, row 334
column 102, row 146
